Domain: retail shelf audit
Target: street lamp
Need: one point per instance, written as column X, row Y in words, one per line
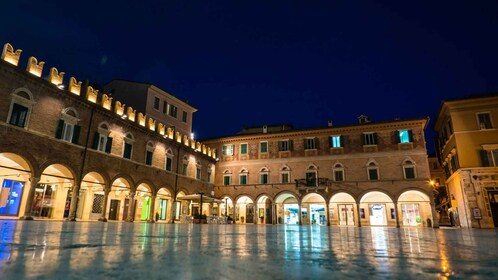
column 200, row 214
column 226, row 207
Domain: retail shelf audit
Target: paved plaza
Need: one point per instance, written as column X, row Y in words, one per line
column 92, row 250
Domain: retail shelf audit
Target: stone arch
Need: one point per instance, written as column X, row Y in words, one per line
column 414, row 208
column 126, row 177
column 146, row 183
column 27, row 158
column 105, row 177
column 343, row 209
column 62, row 162
column 28, row 94
column 71, row 111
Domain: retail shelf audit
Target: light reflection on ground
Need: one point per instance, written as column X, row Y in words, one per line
column 41, row 249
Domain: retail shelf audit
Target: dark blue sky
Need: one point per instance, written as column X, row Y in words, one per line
column 270, row 62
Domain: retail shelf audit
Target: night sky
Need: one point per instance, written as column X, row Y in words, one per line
column 248, row 63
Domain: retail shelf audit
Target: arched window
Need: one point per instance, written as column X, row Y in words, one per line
column 372, row 171
column 20, row 107
column 312, row 175
column 169, row 160
column 338, row 172
column 264, row 175
column 198, row 170
column 209, row 172
column 285, row 174
column 185, row 165
column 128, row 141
column 149, row 152
column 101, row 140
column 227, row 177
column 67, row 129
column 409, row 169
column 243, row 176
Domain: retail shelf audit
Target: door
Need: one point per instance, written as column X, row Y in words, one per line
column 42, row 202
column 377, row 214
column 250, row 213
column 163, row 206
column 126, row 208
column 10, row 197
column 493, row 203
column 114, row 210
column 346, row 215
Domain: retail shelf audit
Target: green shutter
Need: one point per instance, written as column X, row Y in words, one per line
column 291, row 146
column 108, row 145
column 376, row 139
column 96, row 137
column 342, row 140
column 484, row 158
column 410, row 136
column 363, row 139
column 331, row 142
column 317, row 143
column 60, row 127
column 397, row 137
column 76, row 134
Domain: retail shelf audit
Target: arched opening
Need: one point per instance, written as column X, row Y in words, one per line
column 287, row 209
column 91, row 197
column 15, row 175
column 143, row 202
column 415, row 208
column 244, row 210
column 377, row 209
column 53, row 194
column 264, row 206
column 163, row 205
column 342, row 209
column 226, row 208
column 119, row 200
column 313, row 210
column 181, row 207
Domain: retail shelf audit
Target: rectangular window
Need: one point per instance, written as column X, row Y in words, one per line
column 198, row 173
column 165, row 107
column 335, row 141
column 310, row 143
column 373, row 174
column 184, row 169
column 157, row 101
column 184, row 117
column 127, row 150
column 404, row 136
column 226, row 180
column 263, row 178
column 208, row 178
column 339, row 175
column 284, row 178
column 243, row 179
column 311, row 179
column 148, row 158
column 370, row 138
column 489, row 157
column 169, row 163
column 263, row 147
column 102, row 143
column 227, row 150
column 284, row 145
column 409, row 172
column 484, row 120
column 243, row 149
column 67, row 132
column 19, row 115
column 172, row 110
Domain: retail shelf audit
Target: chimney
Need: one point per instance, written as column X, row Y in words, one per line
column 363, row 119
column 329, row 123
column 265, row 129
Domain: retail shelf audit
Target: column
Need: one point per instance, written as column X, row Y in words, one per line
column 152, row 215
column 74, row 201
column 107, row 190
column 131, row 212
column 327, row 216
column 274, row 214
column 435, row 220
column 29, row 201
column 359, row 214
column 299, row 213
column 396, row 214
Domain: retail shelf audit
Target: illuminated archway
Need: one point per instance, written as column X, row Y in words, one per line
column 91, row 197
column 313, row 210
column 264, row 209
column 244, row 210
column 143, row 202
column 287, row 209
column 53, row 193
column 414, row 208
column 163, row 205
column 15, row 174
column 377, row 209
column 342, row 209
column 118, row 208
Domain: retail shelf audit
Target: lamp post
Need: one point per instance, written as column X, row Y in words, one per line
column 200, row 214
column 226, row 207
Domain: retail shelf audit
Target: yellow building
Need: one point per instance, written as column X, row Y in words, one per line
column 467, row 147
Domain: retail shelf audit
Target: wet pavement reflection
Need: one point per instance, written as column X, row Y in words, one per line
column 83, row 250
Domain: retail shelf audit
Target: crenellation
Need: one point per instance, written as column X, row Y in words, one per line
column 55, row 77
column 92, row 94
column 11, row 56
column 34, row 67
column 74, row 86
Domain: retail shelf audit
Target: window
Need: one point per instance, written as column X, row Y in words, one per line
column 336, row 141
column 284, row 145
column 208, row 177
column 128, row 145
column 172, row 110
column 311, row 176
column 243, row 149
column 369, row 138
column 101, row 140
column 184, row 117
column 227, row 150
column 489, row 157
column 156, row 102
column 148, row 153
column 285, row 175
column 198, row 170
column 373, row 171
column 19, row 115
column 310, row 143
column 185, row 166
column 263, row 147
column 404, row 136
column 22, row 102
column 165, row 107
column 484, row 120
column 409, row 169
column 243, row 177
column 338, row 172
column 227, row 175
column 67, row 130
column 169, row 162
column 263, row 175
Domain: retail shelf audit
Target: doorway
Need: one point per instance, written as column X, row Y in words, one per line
column 114, row 210
column 377, row 214
column 163, row 206
column 250, row 213
column 10, row 197
column 493, row 203
column 346, row 214
column 126, row 208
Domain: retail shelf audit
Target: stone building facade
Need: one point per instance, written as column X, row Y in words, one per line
column 70, row 152
column 370, row 173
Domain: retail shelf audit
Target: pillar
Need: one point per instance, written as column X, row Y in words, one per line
column 274, row 214
column 131, row 212
column 359, row 214
column 29, row 201
column 299, row 213
column 152, row 211
column 328, row 213
column 74, row 201
column 435, row 220
column 107, row 190
column 396, row 216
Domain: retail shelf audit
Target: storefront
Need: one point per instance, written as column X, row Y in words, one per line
column 11, row 197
